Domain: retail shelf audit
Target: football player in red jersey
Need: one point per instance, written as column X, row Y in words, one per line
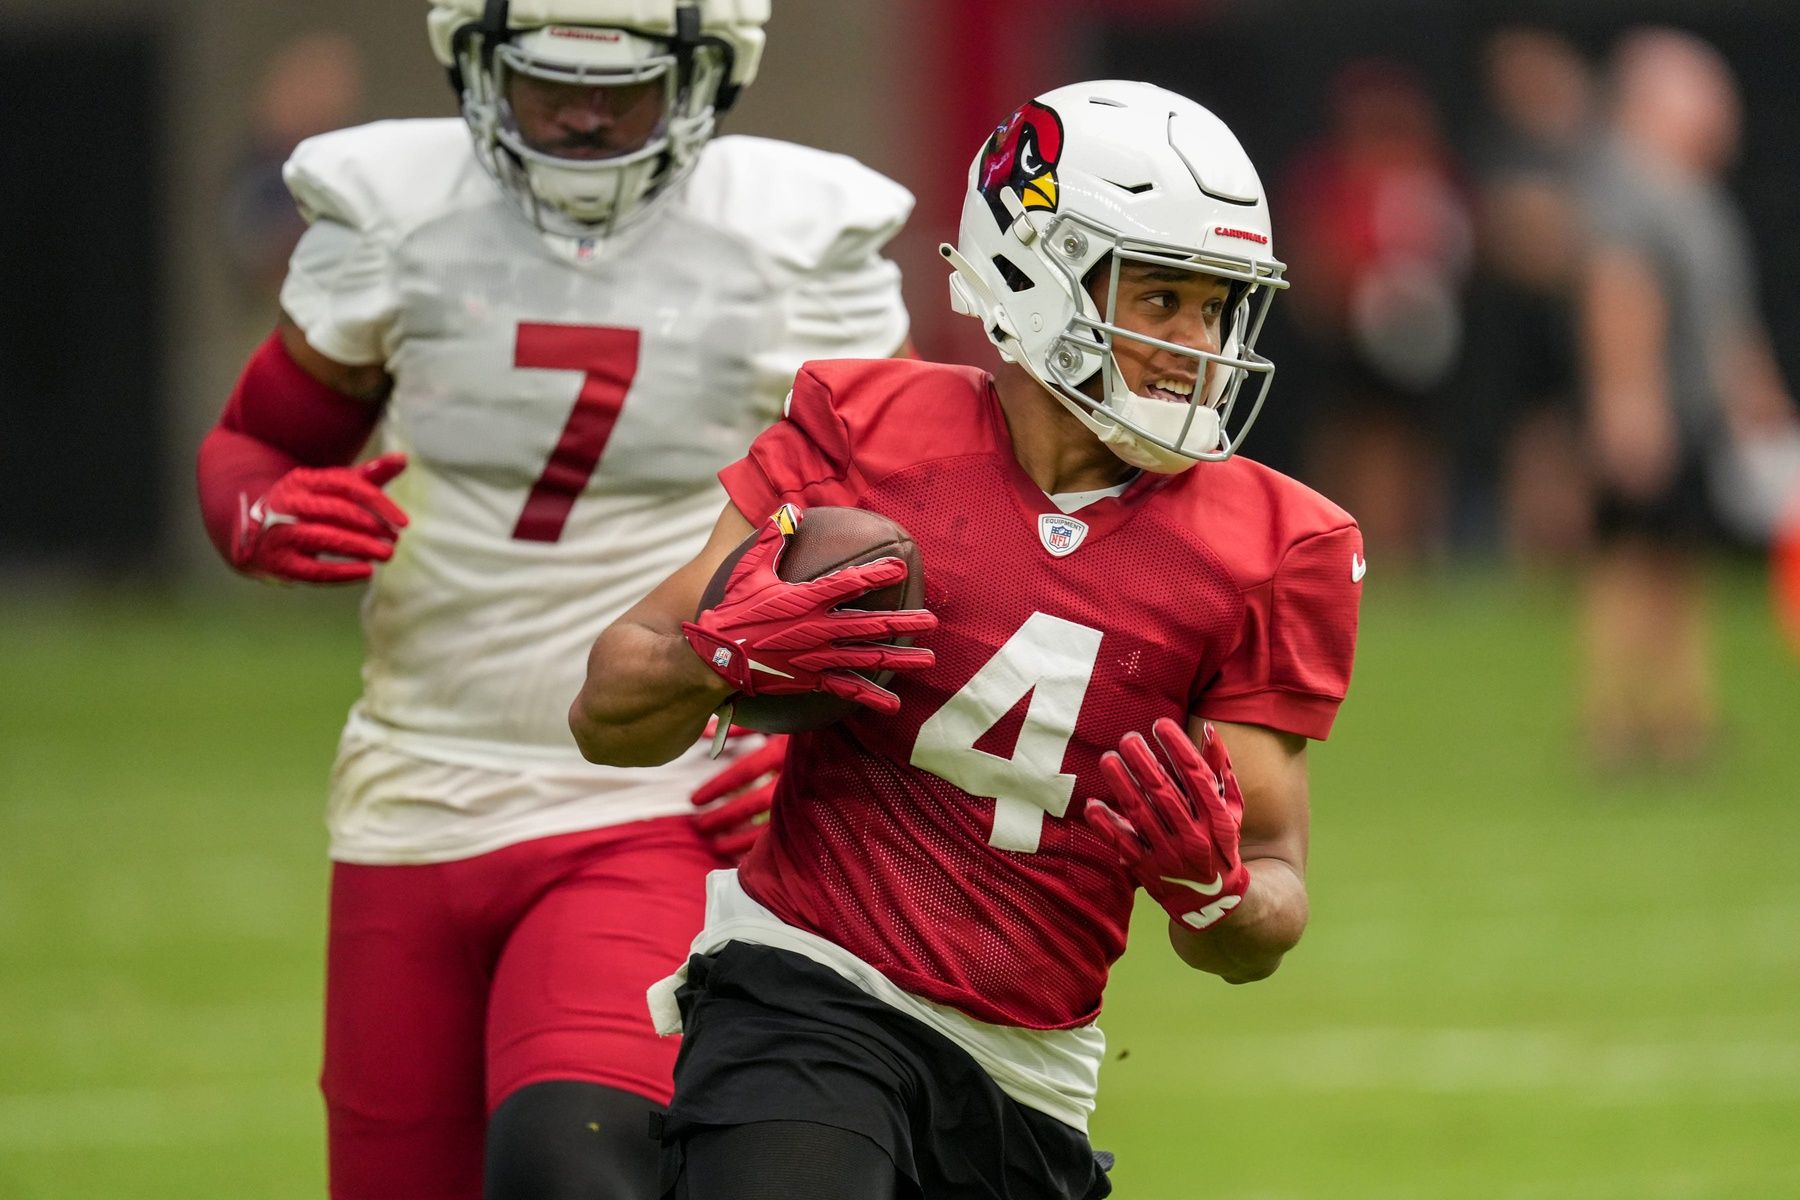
column 1131, row 634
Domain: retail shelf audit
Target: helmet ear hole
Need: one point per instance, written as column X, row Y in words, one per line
column 1011, row 274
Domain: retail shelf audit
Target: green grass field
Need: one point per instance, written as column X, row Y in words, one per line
column 1520, row 981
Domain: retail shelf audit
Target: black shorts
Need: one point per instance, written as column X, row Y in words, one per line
column 773, row 1036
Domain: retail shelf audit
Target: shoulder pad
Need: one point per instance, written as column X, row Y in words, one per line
column 386, row 178
column 898, row 375
column 1297, row 508
column 805, row 209
column 896, row 411
column 1252, row 515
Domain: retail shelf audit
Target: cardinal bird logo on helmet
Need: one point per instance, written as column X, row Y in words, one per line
column 1022, row 154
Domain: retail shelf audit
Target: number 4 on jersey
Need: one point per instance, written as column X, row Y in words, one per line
column 1050, row 658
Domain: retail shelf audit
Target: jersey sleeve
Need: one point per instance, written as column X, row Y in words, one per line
column 340, row 287
column 842, row 297
column 1291, row 666
column 805, row 458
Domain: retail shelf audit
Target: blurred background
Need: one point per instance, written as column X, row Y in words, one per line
column 1556, row 941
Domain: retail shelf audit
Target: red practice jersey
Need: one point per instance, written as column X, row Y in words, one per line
column 944, row 845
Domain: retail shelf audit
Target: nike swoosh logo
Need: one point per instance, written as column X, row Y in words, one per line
column 1359, row 566
column 756, row 666
column 262, row 518
column 1205, row 889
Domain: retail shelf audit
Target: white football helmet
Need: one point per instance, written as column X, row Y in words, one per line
column 1097, row 175
column 696, row 53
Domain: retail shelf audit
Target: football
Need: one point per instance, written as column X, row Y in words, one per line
column 828, row 538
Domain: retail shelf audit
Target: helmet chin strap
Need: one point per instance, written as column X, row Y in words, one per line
column 1160, row 417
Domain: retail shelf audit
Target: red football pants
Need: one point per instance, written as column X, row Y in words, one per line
column 451, row 985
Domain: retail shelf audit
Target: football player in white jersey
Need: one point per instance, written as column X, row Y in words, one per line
column 566, row 312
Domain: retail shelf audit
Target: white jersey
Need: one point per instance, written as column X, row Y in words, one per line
column 565, row 407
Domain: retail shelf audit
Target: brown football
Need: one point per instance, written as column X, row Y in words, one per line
column 828, row 538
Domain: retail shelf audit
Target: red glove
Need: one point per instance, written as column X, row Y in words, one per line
column 733, row 825
column 1179, row 833
column 768, row 637
column 312, row 518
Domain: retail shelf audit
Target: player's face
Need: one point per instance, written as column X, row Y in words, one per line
column 1171, row 305
column 581, row 121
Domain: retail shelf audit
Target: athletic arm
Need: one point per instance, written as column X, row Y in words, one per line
column 276, row 495
column 1271, row 769
column 368, row 382
column 1757, row 402
column 647, row 695
column 1624, row 321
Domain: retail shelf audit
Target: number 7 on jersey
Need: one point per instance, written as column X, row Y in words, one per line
column 608, row 361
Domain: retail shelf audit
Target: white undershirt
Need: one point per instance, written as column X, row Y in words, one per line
column 1055, row 1071
column 1068, row 502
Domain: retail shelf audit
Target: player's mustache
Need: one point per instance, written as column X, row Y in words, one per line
column 601, row 139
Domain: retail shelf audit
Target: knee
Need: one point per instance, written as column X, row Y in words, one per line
column 567, row 1140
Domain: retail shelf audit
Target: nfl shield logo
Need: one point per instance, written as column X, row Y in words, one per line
column 1061, row 533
